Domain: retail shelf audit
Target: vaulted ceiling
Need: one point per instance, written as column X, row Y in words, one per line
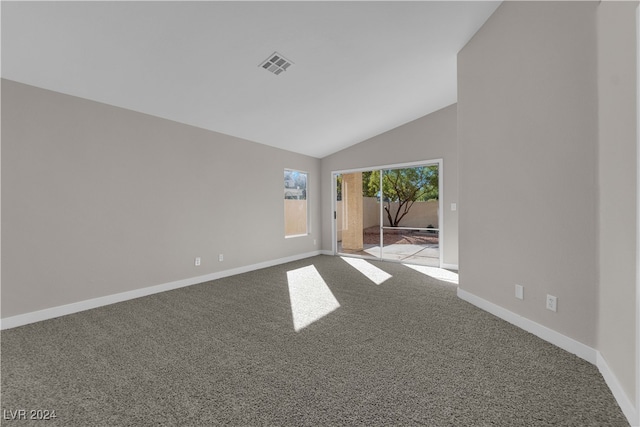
column 358, row 68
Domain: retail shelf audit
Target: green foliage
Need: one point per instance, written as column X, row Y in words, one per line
column 401, row 186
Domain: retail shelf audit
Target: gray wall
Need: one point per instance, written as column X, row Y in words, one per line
column 547, row 115
column 527, row 128
column 616, row 24
column 430, row 137
column 98, row 200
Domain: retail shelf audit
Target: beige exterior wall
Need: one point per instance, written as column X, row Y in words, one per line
column 371, row 212
column 295, row 217
column 421, row 214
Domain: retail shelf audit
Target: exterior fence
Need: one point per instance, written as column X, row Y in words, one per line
column 421, row 214
column 295, row 215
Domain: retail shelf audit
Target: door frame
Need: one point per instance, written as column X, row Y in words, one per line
column 441, row 222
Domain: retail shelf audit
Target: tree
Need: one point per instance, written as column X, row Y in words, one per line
column 401, row 186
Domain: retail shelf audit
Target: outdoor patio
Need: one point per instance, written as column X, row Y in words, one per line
column 408, row 246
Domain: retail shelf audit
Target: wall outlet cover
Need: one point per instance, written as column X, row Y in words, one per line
column 519, row 291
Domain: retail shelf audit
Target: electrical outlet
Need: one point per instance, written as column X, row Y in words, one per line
column 221, row 257
column 519, row 291
column 198, row 260
column 552, row 303
column 315, row 242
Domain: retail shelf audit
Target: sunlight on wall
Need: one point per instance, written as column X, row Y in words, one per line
column 436, row 273
column 311, row 298
column 372, row 272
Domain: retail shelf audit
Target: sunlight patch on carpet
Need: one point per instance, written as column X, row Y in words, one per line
column 311, row 298
column 370, row 271
column 436, row 273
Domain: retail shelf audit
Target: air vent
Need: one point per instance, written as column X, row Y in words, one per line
column 276, row 63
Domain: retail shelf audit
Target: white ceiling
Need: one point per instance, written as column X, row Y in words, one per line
column 360, row 68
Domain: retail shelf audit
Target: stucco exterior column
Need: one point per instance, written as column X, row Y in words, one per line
column 352, row 203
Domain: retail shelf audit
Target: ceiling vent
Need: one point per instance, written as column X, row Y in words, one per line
column 276, row 63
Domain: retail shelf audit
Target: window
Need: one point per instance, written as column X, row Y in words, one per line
column 295, row 203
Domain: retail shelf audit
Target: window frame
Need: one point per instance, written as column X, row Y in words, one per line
column 306, row 199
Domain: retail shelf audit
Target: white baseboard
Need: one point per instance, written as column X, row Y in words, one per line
column 62, row 310
column 564, row 342
column 621, row 397
column 581, row 350
column 450, row 266
column 326, row 252
column 569, row 344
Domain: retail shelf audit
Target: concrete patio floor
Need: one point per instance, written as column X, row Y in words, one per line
column 407, row 253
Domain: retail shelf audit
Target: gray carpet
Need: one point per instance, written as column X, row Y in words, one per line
column 406, row 352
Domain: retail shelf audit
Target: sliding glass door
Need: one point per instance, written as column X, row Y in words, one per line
column 390, row 213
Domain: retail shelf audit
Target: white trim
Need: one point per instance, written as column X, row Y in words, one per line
column 293, row 236
column 306, row 199
column 616, row 389
column 391, row 166
column 62, row 310
column 636, row 420
column 450, row 266
column 381, row 212
column 439, row 162
column 334, row 219
column 564, row 342
column 441, row 211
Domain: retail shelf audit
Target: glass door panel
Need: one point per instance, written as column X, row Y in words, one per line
column 411, row 245
column 355, row 233
column 410, row 215
column 390, row 214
